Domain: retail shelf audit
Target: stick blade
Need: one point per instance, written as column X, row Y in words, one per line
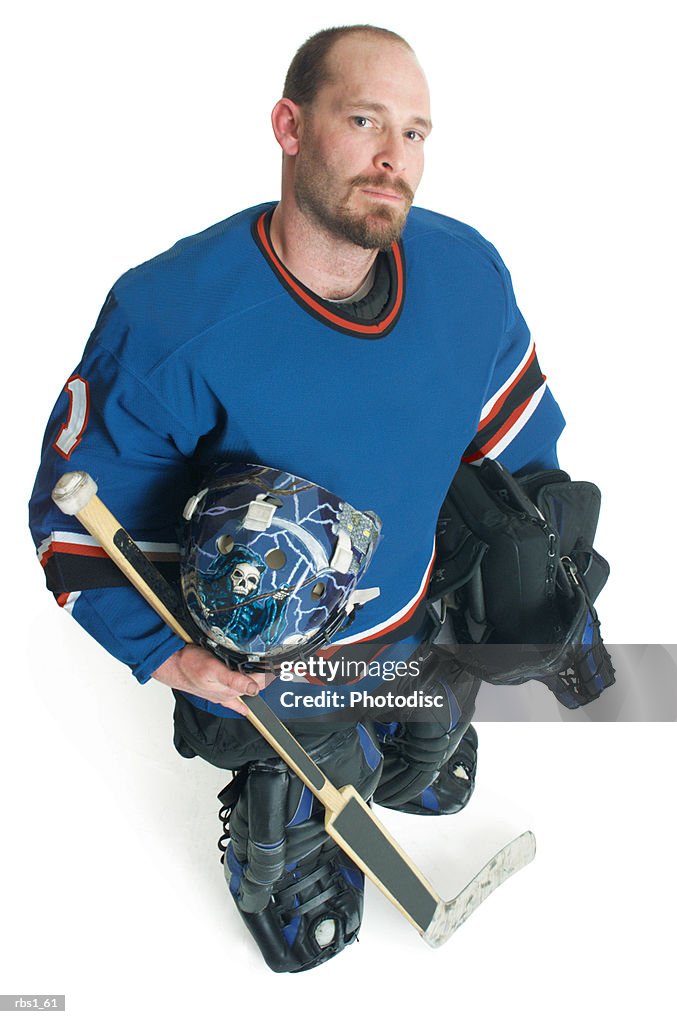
column 451, row 914
column 368, row 843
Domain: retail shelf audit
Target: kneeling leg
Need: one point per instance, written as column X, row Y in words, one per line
column 299, row 895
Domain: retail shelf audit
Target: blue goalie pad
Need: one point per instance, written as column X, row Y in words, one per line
column 314, row 911
column 452, row 789
column 298, row 894
column 418, row 751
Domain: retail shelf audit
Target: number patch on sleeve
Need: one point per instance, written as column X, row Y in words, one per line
column 72, row 430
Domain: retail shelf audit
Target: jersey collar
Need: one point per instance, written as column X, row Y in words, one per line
column 325, row 311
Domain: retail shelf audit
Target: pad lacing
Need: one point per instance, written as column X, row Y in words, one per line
column 229, row 796
column 323, row 876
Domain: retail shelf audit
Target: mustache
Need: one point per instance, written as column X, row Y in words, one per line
column 386, row 183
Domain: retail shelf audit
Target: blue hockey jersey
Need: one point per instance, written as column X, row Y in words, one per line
column 213, row 350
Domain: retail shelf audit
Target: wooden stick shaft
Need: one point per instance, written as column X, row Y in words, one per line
column 103, row 526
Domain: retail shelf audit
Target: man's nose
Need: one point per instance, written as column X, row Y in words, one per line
column 392, row 156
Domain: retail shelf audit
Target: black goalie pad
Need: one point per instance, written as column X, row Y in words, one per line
column 297, row 893
column 518, row 575
column 416, row 749
column 455, row 784
column 314, row 910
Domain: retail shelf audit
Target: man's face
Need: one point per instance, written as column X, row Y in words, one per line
column 360, row 155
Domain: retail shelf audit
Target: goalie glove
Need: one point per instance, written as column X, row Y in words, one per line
column 518, row 574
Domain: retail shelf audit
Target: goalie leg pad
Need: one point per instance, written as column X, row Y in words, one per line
column 313, row 913
column 452, row 789
column 417, row 752
column 298, row 894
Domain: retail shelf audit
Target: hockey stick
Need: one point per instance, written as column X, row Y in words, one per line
column 349, row 820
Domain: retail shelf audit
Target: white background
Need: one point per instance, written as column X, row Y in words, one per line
column 128, row 126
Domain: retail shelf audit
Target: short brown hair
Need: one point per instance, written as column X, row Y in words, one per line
column 309, row 70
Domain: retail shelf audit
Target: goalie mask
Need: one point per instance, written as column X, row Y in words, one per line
column 271, row 563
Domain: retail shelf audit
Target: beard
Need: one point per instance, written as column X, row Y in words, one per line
column 321, row 198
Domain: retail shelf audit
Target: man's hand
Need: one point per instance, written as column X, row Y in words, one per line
column 194, row 670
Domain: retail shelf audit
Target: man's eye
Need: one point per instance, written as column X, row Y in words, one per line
column 414, row 136
column 361, row 121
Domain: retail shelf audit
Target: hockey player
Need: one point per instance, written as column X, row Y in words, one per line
column 352, row 340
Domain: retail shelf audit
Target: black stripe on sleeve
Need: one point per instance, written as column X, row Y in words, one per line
column 66, row 572
column 523, row 388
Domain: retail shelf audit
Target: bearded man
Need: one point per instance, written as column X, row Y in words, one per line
column 353, row 340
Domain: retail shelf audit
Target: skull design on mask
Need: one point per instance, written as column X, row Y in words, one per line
column 245, row 579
